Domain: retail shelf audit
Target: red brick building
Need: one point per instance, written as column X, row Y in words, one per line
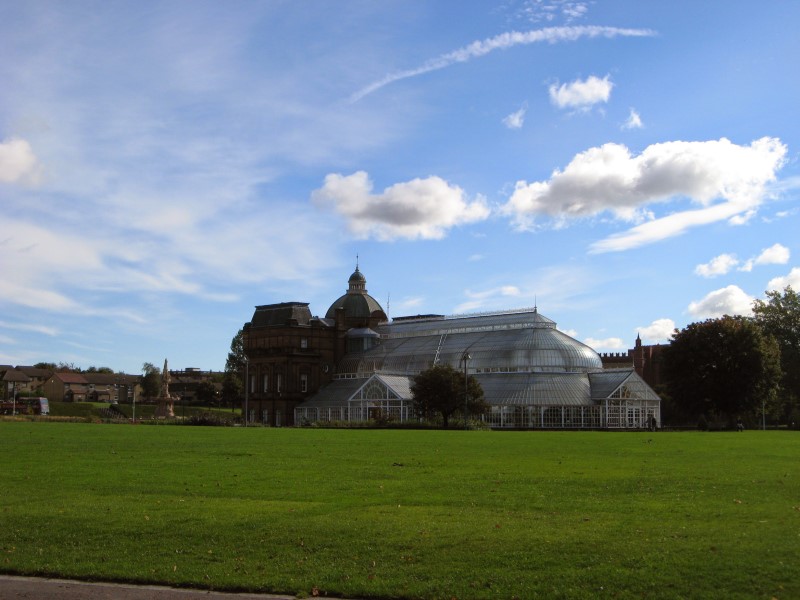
column 644, row 359
column 292, row 354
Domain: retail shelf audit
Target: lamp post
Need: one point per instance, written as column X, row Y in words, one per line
column 246, row 387
column 465, row 358
column 134, row 402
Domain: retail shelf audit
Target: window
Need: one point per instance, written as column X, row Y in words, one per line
column 304, row 343
column 278, row 383
column 252, row 383
column 303, row 382
column 265, row 383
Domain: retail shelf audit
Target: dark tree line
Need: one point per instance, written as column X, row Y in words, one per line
column 721, row 370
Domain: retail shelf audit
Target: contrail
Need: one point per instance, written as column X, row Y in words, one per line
column 501, row 42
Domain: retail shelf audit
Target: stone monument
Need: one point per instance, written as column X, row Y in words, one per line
column 166, row 403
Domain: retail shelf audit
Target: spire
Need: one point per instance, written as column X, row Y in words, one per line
column 357, row 284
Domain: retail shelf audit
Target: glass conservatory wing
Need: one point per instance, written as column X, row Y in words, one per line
column 337, row 392
column 400, row 385
column 535, row 389
column 620, row 384
column 382, row 387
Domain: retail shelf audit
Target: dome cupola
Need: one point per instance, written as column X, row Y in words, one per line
column 359, row 307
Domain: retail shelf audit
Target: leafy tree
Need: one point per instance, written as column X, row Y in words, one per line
column 721, row 367
column 206, row 393
column 232, row 386
column 94, row 369
column 232, row 390
column 151, row 380
column 236, row 356
column 45, row 365
column 779, row 316
column 440, row 389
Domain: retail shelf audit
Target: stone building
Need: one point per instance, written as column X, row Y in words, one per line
column 292, row 354
column 355, row 365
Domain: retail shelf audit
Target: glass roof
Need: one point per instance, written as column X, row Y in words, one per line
column 518, row 341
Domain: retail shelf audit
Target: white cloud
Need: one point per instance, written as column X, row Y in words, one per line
column 503, row 41
column 659, row 330
column 634, row 121
column 516, row 119
column 777, row 254
column 719, row 265
column 780, row 283
column 18, row 163
column 610, row 179
column 731, row 300
column 478, row 300
column 538, row 10
column 612, row 343
column 417, row 209
column 51, row 331
column 581, row 94
column 410, row 302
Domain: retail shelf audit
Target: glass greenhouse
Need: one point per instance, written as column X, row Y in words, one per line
column 533, row 375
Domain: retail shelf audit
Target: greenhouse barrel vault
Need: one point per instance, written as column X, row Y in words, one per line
column 355, row 365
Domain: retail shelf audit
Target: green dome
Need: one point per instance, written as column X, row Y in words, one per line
column 357, row 303
column 359, row 306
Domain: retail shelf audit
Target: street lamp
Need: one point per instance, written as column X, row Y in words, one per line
column 246, row 387
column 465, row 358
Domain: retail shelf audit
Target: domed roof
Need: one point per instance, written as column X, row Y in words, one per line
column 354, row 305
column 511, row 342
column 357, row 303
column 357, row 276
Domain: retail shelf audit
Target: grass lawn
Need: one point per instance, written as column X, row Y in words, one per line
column 405, row 514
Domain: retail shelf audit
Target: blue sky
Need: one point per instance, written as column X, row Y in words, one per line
column 629, row 167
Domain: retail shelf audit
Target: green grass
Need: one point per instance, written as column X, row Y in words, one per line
column 405, row 514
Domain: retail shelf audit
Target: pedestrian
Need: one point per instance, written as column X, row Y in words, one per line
column 739, row 424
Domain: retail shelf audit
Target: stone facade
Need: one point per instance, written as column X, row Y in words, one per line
column 292, row 354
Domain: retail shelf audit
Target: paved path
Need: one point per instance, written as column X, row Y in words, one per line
column 34, row 588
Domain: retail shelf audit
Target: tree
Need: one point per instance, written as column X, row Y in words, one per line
column 440, row 389
column 151, row 381
column 206, row 393
column 232, row 388
column 45, row 365
column 236, row 356
column 779, row 316
column 721, row 367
